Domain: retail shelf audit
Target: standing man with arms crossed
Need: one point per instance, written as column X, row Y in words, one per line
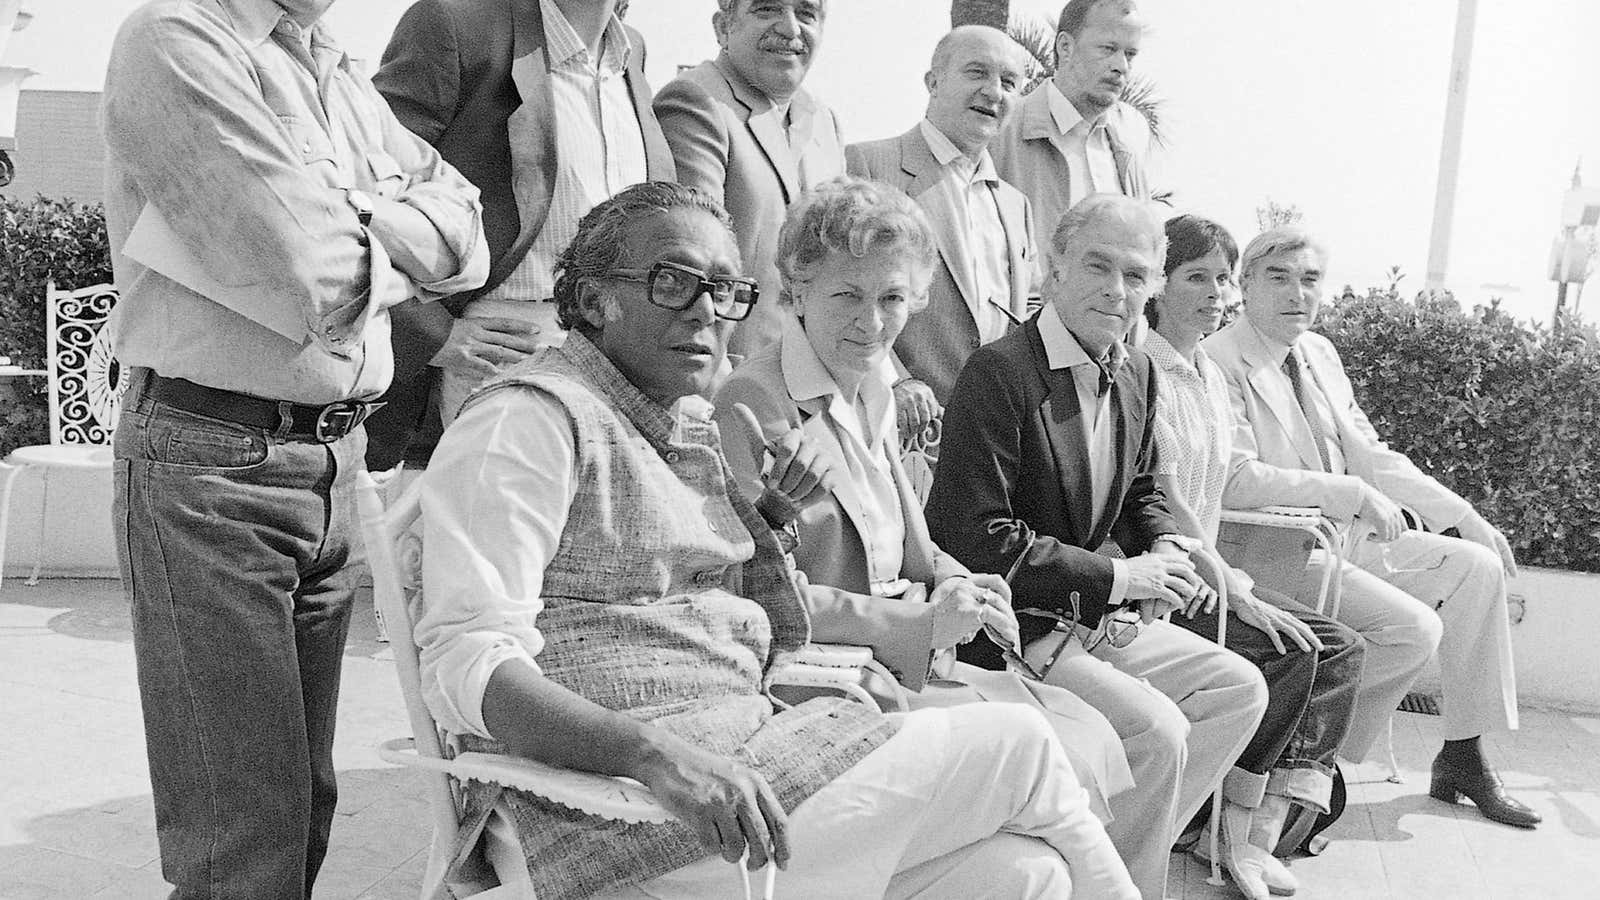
column 543, row 104
column 983, row 225
column 1049, row 449
column 1301, row 439
column 265, row 211
column 743, row 130
column 1072, row 136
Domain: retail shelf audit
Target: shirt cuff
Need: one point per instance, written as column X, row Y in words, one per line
column 1119, row 582
column 1186, row 543
column 453, row 684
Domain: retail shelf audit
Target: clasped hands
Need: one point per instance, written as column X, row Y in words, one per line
column 964, row 605
column 1165, row 580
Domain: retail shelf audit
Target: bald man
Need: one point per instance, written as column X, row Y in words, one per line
column 983, row 225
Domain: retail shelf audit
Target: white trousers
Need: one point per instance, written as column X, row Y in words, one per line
column 1092, row 745
column 1184, row 707
column 975, row 801
column 1415, row 593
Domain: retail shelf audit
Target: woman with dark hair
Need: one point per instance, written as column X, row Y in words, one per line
column 1311, row 684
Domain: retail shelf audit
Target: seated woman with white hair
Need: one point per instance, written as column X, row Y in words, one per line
column 856, row 258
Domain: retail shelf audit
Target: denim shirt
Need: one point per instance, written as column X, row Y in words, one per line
column 232, row 137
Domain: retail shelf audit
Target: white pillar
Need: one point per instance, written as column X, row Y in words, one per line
column 1455, row 114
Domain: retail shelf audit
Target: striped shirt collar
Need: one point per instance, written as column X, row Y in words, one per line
column 563, row 44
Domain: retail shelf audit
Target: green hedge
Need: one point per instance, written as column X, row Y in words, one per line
column 41, row 239
column 1504, row 414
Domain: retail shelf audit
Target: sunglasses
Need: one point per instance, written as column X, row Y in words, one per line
column 674, row 286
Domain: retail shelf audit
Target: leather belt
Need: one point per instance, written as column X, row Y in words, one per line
column 286, row 421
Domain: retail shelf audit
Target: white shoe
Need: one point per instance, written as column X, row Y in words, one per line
column 1266, row 826
column 1256, row 873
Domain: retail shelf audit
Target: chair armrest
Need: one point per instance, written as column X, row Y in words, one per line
column 833, row 656
column 618, row 799
column 1309, row 520
column 1298, row 517
column 838, row 667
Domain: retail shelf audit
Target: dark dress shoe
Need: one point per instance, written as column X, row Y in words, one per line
column 1481, row 785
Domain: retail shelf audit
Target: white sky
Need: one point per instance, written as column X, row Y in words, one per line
column 1334, row 107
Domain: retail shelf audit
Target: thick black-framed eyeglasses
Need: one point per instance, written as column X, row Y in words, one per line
column 675, row 286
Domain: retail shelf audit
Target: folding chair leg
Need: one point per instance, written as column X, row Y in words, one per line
column 38, row 547
column 1388, row 749
column 1215, row 838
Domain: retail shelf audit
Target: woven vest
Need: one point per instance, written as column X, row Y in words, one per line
column 668, row 599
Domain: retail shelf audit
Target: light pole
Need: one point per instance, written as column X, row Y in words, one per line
column 1455, row 115
column 1572, row 256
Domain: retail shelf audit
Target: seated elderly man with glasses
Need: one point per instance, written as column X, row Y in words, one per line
column 1048, row 451
column 600, row 596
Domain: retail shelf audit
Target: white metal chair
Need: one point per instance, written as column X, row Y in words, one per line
column 1220, row 580
column 394, row 553
column 85, row 388
column 1323, row 534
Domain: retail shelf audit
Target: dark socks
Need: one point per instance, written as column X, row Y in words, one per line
column 1468, row 750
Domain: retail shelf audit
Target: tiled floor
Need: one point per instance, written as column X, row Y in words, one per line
column 75, row 817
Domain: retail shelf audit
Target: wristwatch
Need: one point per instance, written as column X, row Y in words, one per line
column 361, row 202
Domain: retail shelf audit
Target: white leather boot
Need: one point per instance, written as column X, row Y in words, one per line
column 1266, row 826
column 1246, row 863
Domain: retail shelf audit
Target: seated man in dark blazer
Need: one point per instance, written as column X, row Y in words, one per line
column 505, row 90
column 1049, row 450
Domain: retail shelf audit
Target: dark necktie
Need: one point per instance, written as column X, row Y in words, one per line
column 1308, row 408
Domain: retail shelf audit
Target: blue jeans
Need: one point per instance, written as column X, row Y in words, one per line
column 1311, row 699
column 233, row 550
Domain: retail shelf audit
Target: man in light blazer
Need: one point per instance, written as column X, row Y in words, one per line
column 743, row 130
column 1072, row 135
column 1301, row 439
column 481, row 81
column 984, row 227
column 1048, row 451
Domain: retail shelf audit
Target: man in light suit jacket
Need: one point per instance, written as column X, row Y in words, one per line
column 1048, row 450
column 1301, row 439
column 1073, row 136
column 493, row 84
column 743, row 130
column 984, row 227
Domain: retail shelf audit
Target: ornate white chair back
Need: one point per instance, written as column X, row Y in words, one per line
column 86, row 384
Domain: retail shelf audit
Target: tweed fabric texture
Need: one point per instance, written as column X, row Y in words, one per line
column 670, row 600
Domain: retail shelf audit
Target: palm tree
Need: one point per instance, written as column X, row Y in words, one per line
column 994, row 13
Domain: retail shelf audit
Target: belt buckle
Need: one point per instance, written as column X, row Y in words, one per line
column 338, row 419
